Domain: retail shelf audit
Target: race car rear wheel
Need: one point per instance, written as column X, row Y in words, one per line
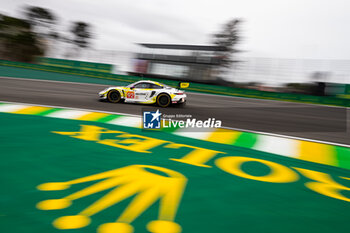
column 114, row 96
column 163, row 100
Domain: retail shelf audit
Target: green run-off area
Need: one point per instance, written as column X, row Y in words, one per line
column 215, row 197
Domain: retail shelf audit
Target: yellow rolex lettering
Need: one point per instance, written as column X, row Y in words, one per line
column 197, row 157
column 324, row 184
column 133, row 142
column 89, row 132
column 278, row 173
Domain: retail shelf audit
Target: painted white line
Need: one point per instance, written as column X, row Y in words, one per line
column 236, row 129
column 127, row 121
column 68, row 114
column 11, row 107
column 276, row 145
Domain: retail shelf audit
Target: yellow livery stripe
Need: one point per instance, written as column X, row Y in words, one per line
column 316, row 152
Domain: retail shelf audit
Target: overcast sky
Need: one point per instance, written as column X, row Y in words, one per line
column 272, row 28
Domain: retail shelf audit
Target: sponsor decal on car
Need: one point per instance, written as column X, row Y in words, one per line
column 130, row 94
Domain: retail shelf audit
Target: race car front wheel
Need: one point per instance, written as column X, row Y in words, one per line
column 163, row 100
column 114, row 96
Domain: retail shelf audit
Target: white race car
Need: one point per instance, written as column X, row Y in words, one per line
column 145, row 92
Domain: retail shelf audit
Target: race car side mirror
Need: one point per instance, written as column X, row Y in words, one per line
column 183, row 85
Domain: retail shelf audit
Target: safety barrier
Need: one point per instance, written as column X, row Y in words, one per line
column 73, row 64
column 197, row 87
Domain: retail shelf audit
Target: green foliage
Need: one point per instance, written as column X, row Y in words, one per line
column 23, row 39
column 38, row 15
column 42, row 21
column 18, row 41
column 228, row 38
column 7, row 21
column 82, row 34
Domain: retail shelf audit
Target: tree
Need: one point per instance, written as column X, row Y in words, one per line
column 81, row 33
column 228, row 38
column 17, row 40
column 42, row 21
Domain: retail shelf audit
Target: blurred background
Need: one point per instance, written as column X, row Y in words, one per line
column 290, row 46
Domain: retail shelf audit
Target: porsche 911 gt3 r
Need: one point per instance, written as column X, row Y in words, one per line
column 145, row 92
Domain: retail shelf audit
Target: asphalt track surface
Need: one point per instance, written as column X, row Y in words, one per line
column 324, row 123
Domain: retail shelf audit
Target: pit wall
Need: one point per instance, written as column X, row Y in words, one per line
column 196, row 87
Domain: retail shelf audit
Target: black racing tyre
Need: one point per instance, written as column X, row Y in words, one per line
column 163, row 100
column 113, row 96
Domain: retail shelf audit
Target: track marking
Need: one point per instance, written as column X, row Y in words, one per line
column 192, row 93
column 93, row 116
column 186, row 132
column 230, row 128
column 303, row 150
column 223, row 136
column 68, row 114
column 127, row 121
column 276, row 145
column 312, row 151
column 32, row 110
column 12, row 108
